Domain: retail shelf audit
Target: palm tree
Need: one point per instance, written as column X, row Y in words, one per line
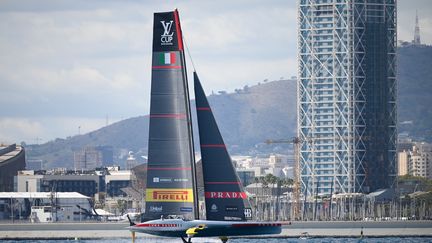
column 269, row 179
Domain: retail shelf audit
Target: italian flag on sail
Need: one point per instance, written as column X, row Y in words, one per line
column 167, row 58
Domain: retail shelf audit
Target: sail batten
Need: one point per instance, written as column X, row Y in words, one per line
column 169, row 168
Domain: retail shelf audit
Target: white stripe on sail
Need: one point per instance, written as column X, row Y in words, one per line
column 167, row 58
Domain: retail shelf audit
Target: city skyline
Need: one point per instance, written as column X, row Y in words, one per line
column 70, row 68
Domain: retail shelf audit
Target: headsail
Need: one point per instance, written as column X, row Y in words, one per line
column 224, row 197
column 171, row 166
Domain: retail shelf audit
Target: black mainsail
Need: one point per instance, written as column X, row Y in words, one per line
column 224, row 197
column 171, row 163
column 171, row 183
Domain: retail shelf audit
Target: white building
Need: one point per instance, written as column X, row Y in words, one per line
column 420, row 160
column 242, row 161
column 131, row 162
column 27, row 181
column 89, row 183
column 116, row 180
column 278, row 160
column 45, row 206
column 273, row 164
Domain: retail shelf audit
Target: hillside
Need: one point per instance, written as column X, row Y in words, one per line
column 415, row 88
column 253, row 114
column 121, row 135
column 246, row 118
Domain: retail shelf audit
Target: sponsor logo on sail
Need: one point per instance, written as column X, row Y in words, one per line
column 167, row 36
column 162, row 180
column 231, row 208
column 225, row 195
column 169, row 195
column 213, row 208
column 185, row 209
column 232, row 218
column 155, row 209
column 248, row 213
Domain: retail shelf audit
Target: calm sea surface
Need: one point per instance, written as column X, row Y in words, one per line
column 244, row 240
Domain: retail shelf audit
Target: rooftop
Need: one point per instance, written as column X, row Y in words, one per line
column 7, row 152
column 41, row 195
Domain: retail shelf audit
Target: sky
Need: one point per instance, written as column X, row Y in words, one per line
column 71, row 67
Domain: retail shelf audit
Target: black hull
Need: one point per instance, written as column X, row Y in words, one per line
column 223, row 231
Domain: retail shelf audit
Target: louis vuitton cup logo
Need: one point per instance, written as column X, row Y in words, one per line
column 167, row 36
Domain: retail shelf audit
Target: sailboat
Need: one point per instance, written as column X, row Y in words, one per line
column 171, row 195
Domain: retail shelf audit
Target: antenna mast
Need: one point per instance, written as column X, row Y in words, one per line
column 416, row 40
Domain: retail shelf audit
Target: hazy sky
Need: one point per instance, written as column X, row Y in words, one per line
column 69, row 64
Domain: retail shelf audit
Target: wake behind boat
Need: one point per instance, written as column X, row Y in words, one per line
column 171, row 194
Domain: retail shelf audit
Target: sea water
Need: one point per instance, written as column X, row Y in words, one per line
column 240, row 240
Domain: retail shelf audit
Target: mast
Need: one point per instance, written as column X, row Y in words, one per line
column 416, row 40
column 171, row 162
column 187, row 105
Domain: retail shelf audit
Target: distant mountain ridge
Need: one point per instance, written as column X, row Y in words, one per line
column 250, row 115
column 246, row 118
column 415, row 91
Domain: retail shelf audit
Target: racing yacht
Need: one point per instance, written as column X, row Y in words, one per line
column 171, row 196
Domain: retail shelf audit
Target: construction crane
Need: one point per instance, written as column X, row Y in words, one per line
column 295, row 141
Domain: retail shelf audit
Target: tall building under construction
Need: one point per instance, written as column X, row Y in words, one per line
column 346, row 95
